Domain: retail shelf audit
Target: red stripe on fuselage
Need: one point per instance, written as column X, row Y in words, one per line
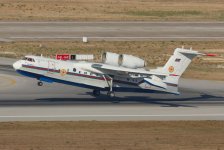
column 174, row 75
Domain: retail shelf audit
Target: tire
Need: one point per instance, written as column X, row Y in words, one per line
column 111, row 94
column 40, row 83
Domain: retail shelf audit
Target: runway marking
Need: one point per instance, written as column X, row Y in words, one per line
column 99, row 37
column 79, row 116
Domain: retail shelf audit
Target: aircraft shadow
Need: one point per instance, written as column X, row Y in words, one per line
column 204, row 99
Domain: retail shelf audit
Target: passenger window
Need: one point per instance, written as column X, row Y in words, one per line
column 74, row 69
column 85, row 72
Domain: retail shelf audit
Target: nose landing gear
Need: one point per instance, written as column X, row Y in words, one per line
column 39, row 83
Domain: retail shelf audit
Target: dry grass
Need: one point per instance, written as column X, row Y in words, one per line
column 156, row 53
column 75, row 10
column 184, row 135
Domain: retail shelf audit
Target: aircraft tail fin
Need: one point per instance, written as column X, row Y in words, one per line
column 177, row 64
column 175, row 67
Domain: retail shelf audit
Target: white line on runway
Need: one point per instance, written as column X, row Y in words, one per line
column 78, row 116
column 96, row 37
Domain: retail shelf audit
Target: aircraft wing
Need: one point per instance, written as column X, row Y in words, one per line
column 108, row 69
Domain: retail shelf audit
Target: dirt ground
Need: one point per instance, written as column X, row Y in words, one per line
column 156, row 53
column 118, row 10
column 93, row 135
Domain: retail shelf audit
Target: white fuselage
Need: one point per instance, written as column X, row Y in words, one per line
column 78, row 73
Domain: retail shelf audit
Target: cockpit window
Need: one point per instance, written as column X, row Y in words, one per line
column 28, row 59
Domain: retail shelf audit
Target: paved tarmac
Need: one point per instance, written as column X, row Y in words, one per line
column 22, row 100
column 115, row 31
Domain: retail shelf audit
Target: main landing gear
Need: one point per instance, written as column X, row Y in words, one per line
column 39, row 83
column 110, row 93
column 96, row 93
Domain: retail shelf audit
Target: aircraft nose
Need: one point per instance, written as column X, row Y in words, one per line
column 17, row 65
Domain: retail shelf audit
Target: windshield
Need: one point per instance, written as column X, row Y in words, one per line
column 28, row 59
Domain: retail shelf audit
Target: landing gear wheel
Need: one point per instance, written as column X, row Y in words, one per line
column 96, row 92
column 40, row 83
column 111, row 94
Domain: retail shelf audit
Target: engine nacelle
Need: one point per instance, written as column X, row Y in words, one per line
column 110, row 58
column 130, row 61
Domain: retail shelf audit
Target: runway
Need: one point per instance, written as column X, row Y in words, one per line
column 22, row 100
column 111, row 31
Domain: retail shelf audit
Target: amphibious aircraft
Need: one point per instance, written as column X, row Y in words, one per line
column 117, row 72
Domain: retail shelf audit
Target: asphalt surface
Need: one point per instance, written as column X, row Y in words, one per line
column 115, row 31
column 22, row 100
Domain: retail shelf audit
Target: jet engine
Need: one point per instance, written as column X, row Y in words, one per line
column 110, row 58
column 130, row 61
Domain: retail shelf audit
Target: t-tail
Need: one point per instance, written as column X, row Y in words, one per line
column 176, row 66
